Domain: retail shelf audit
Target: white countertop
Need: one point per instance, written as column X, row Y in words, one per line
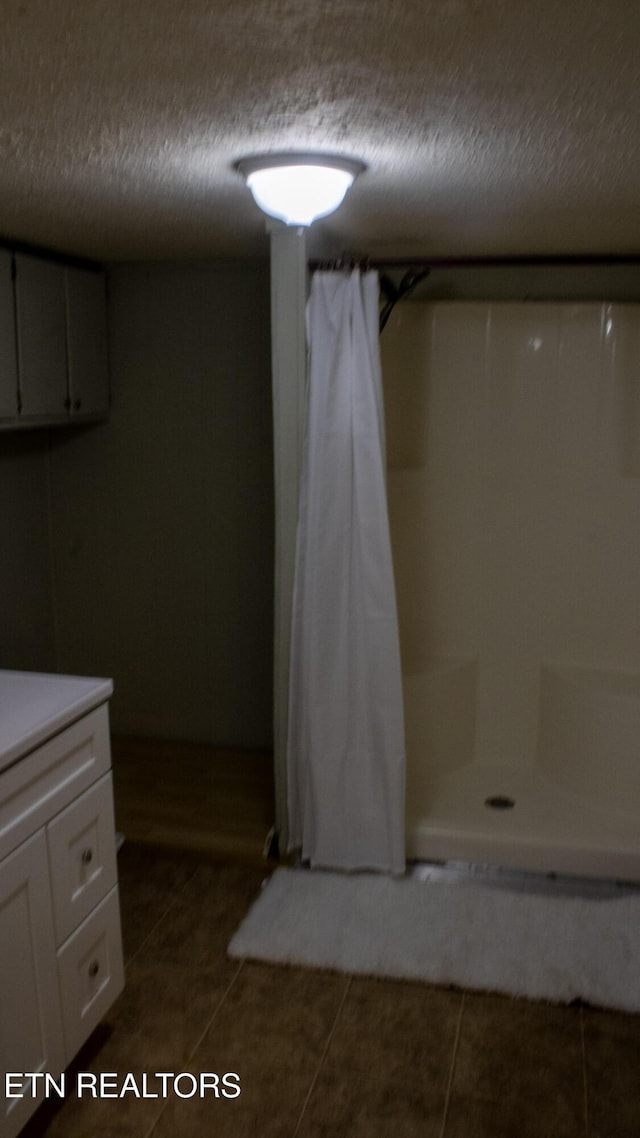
column 34, row 706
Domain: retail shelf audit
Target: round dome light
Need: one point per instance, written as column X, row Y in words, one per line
column 299, row 188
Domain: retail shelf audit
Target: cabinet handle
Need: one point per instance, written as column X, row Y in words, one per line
column 87, row 855
column 77, row 404
column 94, row 968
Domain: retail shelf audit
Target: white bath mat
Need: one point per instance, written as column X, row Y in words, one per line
column 557, row 948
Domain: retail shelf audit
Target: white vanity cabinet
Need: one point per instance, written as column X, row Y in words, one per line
column 60, row 943
column 30, row 1019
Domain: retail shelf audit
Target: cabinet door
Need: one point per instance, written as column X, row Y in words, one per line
column 42, row 338
column 87, row 342
column 8, row 365
column 31, row 1036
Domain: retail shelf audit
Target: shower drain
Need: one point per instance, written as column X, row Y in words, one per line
column 500, row 802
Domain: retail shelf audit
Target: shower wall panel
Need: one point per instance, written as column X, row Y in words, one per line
column 514, row 492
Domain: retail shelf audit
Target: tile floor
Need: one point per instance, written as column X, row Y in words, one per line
column 321, row 1054
column 190, row 796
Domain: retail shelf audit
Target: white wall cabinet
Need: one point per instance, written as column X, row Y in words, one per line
column 53, row 326
column 60, row 942
column 40, row 328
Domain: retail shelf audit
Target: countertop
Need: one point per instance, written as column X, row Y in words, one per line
column 35, row 706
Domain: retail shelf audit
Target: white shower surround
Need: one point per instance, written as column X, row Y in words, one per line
column 513, row 443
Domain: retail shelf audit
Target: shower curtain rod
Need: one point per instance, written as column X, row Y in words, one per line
column 416, row 269
column 521, row 261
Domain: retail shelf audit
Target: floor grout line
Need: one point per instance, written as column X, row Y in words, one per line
column 170, row 905
column 130, row 959
column 322, row 1057
column 149, row 1132
column 191, row 1053
column 452, row 1068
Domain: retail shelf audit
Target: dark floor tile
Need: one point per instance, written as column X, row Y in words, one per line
column 488, row 1118
column 275, row 1015
column 402, row 1030
column 193, row 939
column 196, row 930
column 138, row 1053
column 196, row 935
column 87, row 1116
column 169, row 1003
column 70, row 1118
column 150, row 881
column 108, row 1118
column 138, row 862
column 519, row 1070
column 269, row 1105
column 354, row 1105
column 383, row 1049
column 612, row 1046
column 237, row 884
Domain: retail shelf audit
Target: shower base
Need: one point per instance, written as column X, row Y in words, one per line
column 535, row 826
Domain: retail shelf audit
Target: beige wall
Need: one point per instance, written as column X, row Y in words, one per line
column 161, row 520
column 514, row 492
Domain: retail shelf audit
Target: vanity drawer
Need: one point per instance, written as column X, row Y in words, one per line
column 47, row 780
column 90, row 972
column 82, row 856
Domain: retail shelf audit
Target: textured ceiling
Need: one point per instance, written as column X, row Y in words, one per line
column 488, row 126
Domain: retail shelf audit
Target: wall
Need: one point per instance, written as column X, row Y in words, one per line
column 515, row 488
column 26, row 613
column 159, row 538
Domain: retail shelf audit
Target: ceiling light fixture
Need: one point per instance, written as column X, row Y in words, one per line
column 298, row 188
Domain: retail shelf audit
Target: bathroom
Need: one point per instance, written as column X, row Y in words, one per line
column 107, row 522
column 142, row 548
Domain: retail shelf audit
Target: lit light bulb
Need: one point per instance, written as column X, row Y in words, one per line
column 299, row 188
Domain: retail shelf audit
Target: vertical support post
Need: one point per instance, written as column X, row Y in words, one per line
column 288, row 363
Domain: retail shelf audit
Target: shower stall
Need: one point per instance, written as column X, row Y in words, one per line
column 513, row 450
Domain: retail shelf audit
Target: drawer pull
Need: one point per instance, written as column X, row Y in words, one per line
column 94, row 968
column 87, row 855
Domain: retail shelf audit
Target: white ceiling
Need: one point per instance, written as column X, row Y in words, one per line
column 488, row 126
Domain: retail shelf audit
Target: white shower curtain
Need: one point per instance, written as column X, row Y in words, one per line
column 346, row 735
